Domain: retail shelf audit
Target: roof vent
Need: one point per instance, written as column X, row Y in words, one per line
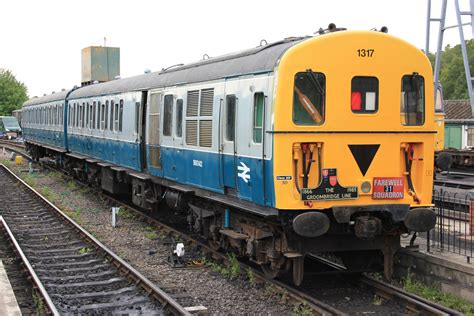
column 147, row 71
column 95, row 82
column 53, row 92
column 63, row 89
column 117, row 77
column 44, row 94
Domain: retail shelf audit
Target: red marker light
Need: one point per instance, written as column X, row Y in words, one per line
column 356, row 101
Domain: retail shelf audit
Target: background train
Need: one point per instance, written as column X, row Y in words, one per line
column 9, row 127
column 307, row 145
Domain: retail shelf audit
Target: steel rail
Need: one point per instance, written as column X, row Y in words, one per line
column 167, row 301
column 44, row 295
column 413, row 302
column 318, row 307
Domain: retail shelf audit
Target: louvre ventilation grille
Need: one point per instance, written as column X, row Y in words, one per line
column 205, row 133
column 193, row 102
column 207, row 98
column 191, row 132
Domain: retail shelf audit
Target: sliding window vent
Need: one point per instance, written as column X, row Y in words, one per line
column 192, row 103
column 205, row 133
column 207, row 99
column 191, row 132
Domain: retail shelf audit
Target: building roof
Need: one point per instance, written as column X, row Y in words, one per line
column 458, row 110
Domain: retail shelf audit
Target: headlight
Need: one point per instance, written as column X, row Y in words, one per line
column 365, row 187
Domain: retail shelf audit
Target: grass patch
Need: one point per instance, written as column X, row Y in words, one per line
column 125, row 213
column 446, row 299
column 75, row 215
column 302, row 309
column 150, row 233
column 30, row 179
column 84, row 250
column 251, row 277
column 71, row 185
column 231, row 270
column 38, row 303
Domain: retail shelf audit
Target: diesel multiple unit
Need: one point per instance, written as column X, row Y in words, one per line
column 307, row 145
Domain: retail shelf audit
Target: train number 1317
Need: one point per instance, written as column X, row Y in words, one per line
column 365, row 52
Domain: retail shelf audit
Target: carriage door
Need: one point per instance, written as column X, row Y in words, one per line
column 153, row 132
column 229, row 135
column 141, row 121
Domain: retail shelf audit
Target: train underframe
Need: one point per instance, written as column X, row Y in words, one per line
column 365, row 237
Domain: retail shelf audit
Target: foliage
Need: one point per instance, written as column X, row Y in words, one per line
column 452, row 75
column 446, row 299
column 12, row 92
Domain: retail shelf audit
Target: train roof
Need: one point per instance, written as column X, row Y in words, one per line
column 253, row 61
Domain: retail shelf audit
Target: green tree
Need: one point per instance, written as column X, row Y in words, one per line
column 12, row 92
column 452, row 75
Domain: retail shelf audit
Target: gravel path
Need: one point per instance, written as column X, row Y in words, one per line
column 147, row 250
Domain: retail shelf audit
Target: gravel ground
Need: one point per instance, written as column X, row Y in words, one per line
column 147, row 250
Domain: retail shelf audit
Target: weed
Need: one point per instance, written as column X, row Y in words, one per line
column 84, row 250
column 302, row 309
column 150, row 233
column 30, row 179
column 125, row 213
column 38, row 303
column 71, row 185
column 55, row 174
column 433, row 294
column 251, row 277
column 233, row 270
column 377, row 300
column 75, row 215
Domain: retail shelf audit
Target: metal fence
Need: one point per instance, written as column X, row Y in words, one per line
column 454, row 230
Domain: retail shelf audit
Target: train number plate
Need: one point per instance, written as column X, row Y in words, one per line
column 388, row 188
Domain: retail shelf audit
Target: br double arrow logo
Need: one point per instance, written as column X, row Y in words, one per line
column 243, row 172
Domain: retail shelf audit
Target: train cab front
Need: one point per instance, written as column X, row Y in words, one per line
column 353, row 142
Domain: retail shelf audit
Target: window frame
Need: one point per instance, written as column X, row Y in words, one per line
column 377, row 96
column 254, row 126
column 168, row 115
column 296, row 96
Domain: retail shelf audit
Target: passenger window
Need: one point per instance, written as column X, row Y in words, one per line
column 106, row 119
column 179, row 118
column 121, row 115
column 364, row 94
column 230, row 117
column 116, row 115
column 112, row 106
column 98, row 114
column 168, row 115
column 258, row 104
column 94, row 111
column 88, row 115
column 102, row 116
column 412, row 101
column 137, row 116
column 309, row 98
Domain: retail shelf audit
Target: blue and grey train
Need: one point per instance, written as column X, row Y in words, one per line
column 300, row 146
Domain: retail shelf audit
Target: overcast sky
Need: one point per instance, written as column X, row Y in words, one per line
column 41, row 41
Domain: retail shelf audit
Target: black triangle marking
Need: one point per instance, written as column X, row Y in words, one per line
column 363, row 155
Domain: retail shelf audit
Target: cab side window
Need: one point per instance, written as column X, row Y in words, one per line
column 309, row 97
column 412, row 100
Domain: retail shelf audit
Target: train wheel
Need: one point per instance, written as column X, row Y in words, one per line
column 274, row 271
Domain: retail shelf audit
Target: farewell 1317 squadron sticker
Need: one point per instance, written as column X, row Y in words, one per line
column 329, row 189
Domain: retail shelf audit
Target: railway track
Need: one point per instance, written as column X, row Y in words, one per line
column 78, row 273
column 20, row 280
column 409, row 301
column 412, row 302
